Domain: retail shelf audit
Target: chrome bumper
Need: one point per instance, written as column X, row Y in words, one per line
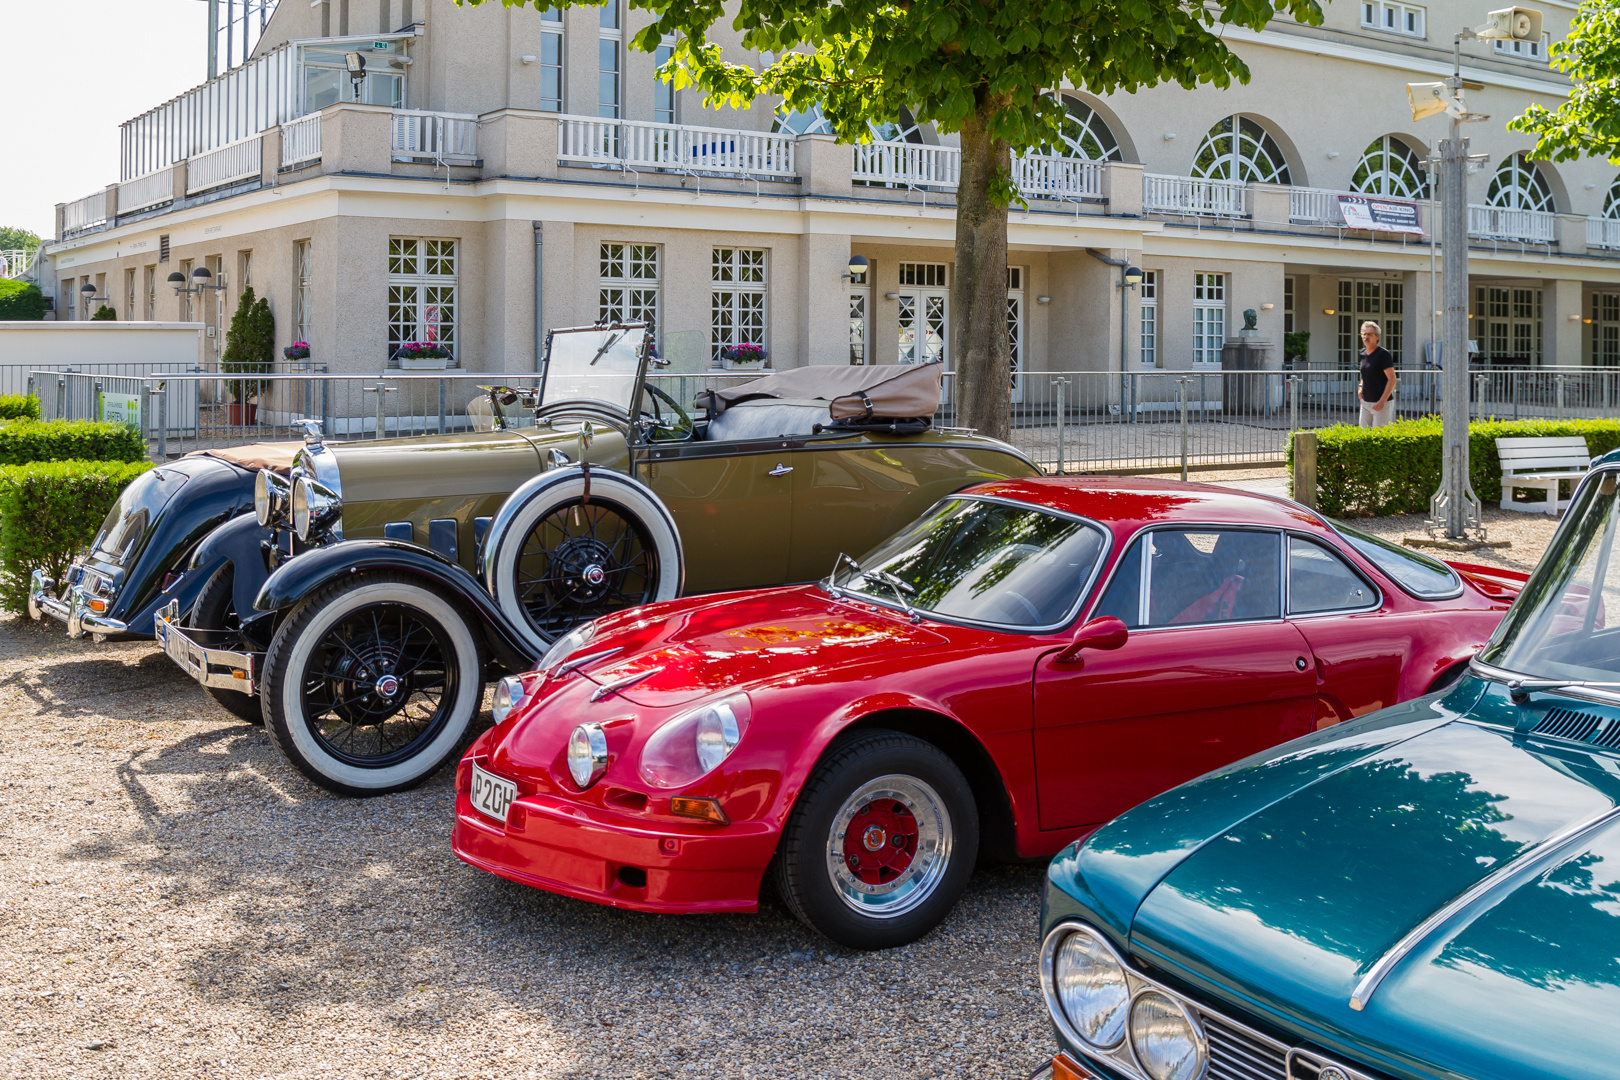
column 219, row 668
column 75, row 610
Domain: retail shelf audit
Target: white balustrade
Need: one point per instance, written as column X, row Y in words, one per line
column 1519, row 226
column 1047, row 176
column 1602, row 233
column 1193, row 197
column 85, row 213
column 227, row 165
column 146, row 191
column 439, row 135
column 639, row 145
column 907, row 164
column 301, row 140
column 1315, row 206
column 16, row 262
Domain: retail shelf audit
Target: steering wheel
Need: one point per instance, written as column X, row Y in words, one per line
column 682, row 427
column 1029, row 606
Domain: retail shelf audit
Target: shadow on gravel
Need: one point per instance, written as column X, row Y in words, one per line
column 58, row 687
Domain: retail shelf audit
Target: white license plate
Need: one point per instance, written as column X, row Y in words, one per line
column 491, row 795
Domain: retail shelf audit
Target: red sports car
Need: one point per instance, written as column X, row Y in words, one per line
column 1026, row 661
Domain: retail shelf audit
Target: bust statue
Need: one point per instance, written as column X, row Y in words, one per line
column 1251, row 319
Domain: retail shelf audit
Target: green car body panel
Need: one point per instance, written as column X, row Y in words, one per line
column 1268, row 890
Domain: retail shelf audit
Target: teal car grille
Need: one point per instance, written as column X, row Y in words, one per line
column 1235, row 1054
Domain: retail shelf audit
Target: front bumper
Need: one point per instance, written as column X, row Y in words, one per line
column 219, row 668
column 592, row 854
column 76, row 611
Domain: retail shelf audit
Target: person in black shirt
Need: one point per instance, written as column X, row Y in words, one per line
column 1377, row 384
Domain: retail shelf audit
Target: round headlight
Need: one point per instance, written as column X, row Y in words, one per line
column 509, row 695
column 566, row 646
column 261, row 498
column 587, row 755
column 315, row 509
column 1090, row 985
column 1167, row 1043
column 695, row 742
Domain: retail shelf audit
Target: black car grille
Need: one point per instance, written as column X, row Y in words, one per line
column 1566, row 724
column 1235, row 1054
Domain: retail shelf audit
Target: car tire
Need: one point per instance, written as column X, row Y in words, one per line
column 893, row 799
column 213, row 618
column 566, row 549
column 371, row 682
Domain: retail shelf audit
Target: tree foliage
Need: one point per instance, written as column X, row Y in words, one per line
column 20, row 300
column 250, row 345
column 15, row 239
column 1588, row 123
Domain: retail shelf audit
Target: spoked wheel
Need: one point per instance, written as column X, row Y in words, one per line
column 583, row 560
column 881, row 842
column 214, row 623
column 568, row 547
column 371, row 683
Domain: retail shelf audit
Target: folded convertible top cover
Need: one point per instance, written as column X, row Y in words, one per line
column 886, row 390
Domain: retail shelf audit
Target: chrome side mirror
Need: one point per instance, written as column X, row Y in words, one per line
column 586, row 434
column 1106, row 633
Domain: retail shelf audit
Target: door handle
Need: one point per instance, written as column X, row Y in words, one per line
column 780, row 470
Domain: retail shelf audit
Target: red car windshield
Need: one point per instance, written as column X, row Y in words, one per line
column 984, row 561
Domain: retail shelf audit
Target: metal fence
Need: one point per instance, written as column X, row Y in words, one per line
column 1064, row 421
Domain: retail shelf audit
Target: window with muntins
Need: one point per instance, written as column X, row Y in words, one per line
column 304, row 286
column 629, row 285
column 1150, row 357
column 737, row 300
column 1405, row 19
column 1606, row 329
column 663, row 91
column 1015, row 320
column 1519, row 185
column 1087, row 135
column 551, row 60
column 1384, row 303
column 1288, row 305
column 1390, row 168
column 609, row 51
column 1507, row 324
column 1525, row 50
column 1209, row 319
column 1238, row 148
column 422, row 293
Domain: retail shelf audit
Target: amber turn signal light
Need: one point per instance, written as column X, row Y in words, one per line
column 702, row 809
column 1065, row 1067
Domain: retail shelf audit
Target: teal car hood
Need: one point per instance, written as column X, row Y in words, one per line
column 1285, row 910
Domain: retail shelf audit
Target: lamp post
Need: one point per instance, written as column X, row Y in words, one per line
column 88, row 292
column 1455, row 510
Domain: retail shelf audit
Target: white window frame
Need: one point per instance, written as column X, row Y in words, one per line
column 303, row 289
column 666, row 102
column 1209, row 320
column 129, row 294
column 150, row 314
column 629, row 284
column 860, row 318
column 1016, row 276
column 1536, row 51
column 739, row 299
column 1148, row 355
column 610, row 42
column 552, row 56
column 1385, row 16
column 422, row 290
column 1288, row 305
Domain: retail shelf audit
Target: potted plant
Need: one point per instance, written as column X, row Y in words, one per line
column 422, row 356
column 746, row 352
column 249, row 350
column 298, row 350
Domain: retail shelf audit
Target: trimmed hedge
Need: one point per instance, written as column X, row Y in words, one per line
column 21, row 301
column 1366, row 472
column 25, row 441
column 19, row 407
column 51, row 511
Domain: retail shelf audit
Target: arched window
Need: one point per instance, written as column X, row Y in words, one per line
column 1086, row 135
column 906, row 130
column 1391, row 168
column 794, row 122
column 1611, row 201
column 1238, row 148
column 1519, row 185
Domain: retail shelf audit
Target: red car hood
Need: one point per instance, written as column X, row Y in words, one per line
column 782, row 635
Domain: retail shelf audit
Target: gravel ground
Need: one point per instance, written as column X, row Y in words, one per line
column 176, row 901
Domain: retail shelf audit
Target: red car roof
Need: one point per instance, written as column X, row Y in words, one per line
column 1127, row 503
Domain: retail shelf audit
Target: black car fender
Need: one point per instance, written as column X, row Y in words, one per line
column 297, row 578
column 240, row 542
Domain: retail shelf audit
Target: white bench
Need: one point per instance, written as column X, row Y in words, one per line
column 1542, row 463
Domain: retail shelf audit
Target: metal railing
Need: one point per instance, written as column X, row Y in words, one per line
column 301, row 140
column 1315, row 206
column 906, row 164
column 1603, row 233
column 153, row 189
column 1192, row 197
column 679, row 147
column 1519, row 226
column 86, row 213
column 227, row 165
column 433, row 134
column 1047, row 176
column 16, row 262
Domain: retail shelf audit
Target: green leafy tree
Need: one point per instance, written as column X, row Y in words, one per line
column 1588, row 123
column 14, row 239
column 984, row 71
column 20, row 300
column 104, row 313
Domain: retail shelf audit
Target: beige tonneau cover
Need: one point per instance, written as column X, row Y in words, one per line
column 897, row 391
column 275, row 456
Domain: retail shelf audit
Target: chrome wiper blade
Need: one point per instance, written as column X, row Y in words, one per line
column 1517, row 683
column 606, row 345
column 893, row 580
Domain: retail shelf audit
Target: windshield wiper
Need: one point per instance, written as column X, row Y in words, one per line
column 897, row 585
column 606, row 345
column 1518, row 685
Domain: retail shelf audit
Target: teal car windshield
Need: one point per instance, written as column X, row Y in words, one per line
column 1560, row 629
column 984, row 561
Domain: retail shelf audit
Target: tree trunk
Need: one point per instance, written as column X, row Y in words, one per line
column 981, row 357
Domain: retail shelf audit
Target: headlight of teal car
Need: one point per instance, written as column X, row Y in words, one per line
column 1164, row 1037
column 1091, row 989
column 695, row 743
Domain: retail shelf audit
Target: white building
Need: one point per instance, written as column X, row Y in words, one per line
column 504, row 171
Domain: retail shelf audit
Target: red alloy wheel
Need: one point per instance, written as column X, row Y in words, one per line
column 880, row 841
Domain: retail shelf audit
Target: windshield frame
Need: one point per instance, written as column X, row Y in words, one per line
column 640, row 378
column 891, row 602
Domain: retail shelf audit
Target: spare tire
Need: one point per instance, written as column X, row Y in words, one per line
column 571, row 546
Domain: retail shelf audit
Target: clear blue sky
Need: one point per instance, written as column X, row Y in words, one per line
column 74, row 71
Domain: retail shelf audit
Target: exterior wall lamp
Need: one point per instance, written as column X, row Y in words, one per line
column 857, row 268
column 1133, row 277
column 357, row 71
column 88, row 292
column 200, row 278
column 1329, row 311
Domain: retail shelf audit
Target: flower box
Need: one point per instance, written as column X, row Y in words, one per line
column 422, row 356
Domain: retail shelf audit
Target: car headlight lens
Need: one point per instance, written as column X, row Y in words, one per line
column 587, row 755
column 509, row 696
column 1091, row 988
column 566, row 646
column 695, row 743
column 315, row 509
column 269, row 497
column 1166, row 1041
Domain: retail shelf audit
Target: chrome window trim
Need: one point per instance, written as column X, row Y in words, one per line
column 1451, row 594
column 1142, row 592
column 1378, row 594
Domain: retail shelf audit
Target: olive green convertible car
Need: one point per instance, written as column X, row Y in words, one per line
column 378, row 584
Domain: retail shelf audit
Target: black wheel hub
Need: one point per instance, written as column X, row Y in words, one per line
column 366, row 683
column 583, row 570
column 581, row 561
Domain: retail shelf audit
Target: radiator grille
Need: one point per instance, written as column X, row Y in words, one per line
column 1235, row 1054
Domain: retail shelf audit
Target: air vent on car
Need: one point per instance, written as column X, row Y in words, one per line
column 1567, row 724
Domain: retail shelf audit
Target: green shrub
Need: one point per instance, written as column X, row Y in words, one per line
column 1362, row 472
column 104, row 314
column 49, row 512
column 250, row 346
column 20, row 300
column 19, row 407
column 25, row 441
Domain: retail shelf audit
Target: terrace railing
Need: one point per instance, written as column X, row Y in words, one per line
column 227, row 165
column 1048, row 176
column 84, row 214
column 1603, row 233
column 432, row 134
column 904, row 164
column 301, row 141
column 1192, row 197
column 675, row 147
column 1518, row 226
column 16, row 262
column 142, row 193
column 1315, row 206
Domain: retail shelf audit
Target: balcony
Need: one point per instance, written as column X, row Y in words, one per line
column 1603, row 233
column 632, row 144
column 1188, row 196
column 443, row 137
column 1513, row 226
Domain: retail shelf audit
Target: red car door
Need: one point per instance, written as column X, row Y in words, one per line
column 1211, row 673
column 1359, row 647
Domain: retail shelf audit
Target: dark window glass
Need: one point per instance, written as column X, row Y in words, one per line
column 1200, row 576
column 1318, row 580
column 1423, row 577
column 1123, row 600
